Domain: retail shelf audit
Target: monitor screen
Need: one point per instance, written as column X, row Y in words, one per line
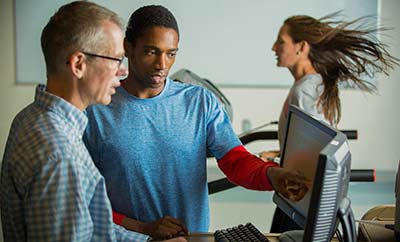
column 304, row 142
column 320, row 153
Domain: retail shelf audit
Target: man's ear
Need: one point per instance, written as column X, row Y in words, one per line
column 77, row 64
column 127, row 47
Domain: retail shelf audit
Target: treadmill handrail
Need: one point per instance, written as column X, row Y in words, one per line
column 273, row 135
column 356, row 175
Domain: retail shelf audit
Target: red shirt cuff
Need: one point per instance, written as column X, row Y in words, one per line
column 118, row 217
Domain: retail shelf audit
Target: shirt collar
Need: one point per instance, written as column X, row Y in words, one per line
column 71, row 114
column 124, row 92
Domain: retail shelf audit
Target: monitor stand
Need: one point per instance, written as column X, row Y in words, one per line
column 292, row 236
column 346, row 218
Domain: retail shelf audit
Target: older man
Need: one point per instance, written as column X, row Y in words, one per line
column 50, row 188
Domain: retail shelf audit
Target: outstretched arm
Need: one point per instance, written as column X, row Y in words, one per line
column 247, row 170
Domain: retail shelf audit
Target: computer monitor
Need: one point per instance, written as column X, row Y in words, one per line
column 321, row 154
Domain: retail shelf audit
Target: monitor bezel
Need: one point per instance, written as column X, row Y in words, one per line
column 307, row 221
column 297, row 111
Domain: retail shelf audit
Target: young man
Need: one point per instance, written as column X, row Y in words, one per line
column 151, row 142
column 50, row 188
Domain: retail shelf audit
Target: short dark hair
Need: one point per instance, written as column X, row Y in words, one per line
column 149, row 16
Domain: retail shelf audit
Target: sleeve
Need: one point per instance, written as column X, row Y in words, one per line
column 304, row 99
column 124, row 235
column 56, row 205
column 245, row 169
column 118, row 217
column 64, row 206
column 305, row 96
column 220, row 135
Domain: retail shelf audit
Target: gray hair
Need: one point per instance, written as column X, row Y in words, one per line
column 76, row 26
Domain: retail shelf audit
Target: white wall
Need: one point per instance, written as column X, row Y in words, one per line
column 231, row 41
column 376, row 117
column 12, row 97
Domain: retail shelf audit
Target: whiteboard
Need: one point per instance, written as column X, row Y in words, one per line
column 226, row 41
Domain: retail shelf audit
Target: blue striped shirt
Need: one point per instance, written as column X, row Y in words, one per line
column 50, row 189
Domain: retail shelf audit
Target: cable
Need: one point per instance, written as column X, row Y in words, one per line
column 338, row 235
column 347, row 221
column 258, row 127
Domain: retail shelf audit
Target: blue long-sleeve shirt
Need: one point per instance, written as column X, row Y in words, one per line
column 50, row 188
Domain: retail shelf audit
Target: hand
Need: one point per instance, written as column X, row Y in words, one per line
column 165, row 228
column 268, row 154
column 290, row 184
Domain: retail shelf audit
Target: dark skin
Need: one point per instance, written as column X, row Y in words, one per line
column 150, row 59
column 290, row 184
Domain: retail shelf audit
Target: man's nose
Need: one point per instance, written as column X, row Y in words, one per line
column 161, row 61
column 122, row 70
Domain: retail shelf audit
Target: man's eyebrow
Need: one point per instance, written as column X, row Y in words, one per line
column 158, row 49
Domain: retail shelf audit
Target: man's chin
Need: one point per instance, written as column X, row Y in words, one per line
column 106, row 100
column 157, row 83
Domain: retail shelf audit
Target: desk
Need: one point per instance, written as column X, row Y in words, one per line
column 366, row 232
column 383, row 214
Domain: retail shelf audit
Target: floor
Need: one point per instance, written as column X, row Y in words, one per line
column 238, row 205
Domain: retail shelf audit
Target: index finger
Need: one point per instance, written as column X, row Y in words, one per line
column 178, row 223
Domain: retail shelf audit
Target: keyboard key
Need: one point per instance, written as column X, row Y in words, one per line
column 240, row 233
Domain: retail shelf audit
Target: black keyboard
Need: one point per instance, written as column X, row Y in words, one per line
column 240, row 233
